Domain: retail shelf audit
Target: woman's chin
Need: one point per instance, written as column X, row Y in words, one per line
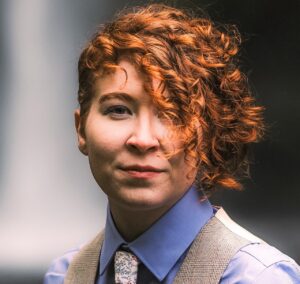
column 140, row 200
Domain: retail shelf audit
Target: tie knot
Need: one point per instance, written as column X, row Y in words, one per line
column 126, row 267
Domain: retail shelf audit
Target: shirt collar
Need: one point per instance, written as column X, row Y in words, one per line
column 169, row 237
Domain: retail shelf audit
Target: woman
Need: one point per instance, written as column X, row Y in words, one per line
column 165, row 119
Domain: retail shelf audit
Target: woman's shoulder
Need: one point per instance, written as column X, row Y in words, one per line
column 257, row 262
column 58, row 269
column 261, row 263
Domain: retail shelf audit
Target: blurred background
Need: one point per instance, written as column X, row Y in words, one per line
column 49, row 201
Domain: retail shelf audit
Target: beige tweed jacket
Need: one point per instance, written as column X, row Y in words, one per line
column 218, row 241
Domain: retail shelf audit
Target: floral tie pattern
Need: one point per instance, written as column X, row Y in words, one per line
column 126, row 267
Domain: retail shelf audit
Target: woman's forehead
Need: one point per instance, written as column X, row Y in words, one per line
column 126, row 77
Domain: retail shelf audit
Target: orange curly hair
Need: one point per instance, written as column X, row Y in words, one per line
column 209, row 99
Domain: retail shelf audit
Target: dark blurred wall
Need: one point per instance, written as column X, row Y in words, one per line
column 271, row 57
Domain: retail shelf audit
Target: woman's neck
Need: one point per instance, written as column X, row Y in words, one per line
column 132, row 223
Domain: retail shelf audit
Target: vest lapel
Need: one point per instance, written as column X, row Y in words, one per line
column 84, row 267
column 209, row 254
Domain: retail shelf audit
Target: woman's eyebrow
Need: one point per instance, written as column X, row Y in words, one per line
column 115, row 95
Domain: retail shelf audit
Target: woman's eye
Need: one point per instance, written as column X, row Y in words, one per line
column 117, row 111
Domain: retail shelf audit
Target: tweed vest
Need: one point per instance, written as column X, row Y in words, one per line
column 209, row 255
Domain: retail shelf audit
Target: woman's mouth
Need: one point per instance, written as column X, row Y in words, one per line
column 141, row 171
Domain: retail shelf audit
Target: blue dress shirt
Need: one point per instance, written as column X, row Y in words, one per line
column 162, row 249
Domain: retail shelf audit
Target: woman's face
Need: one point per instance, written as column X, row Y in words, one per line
column 125, row 142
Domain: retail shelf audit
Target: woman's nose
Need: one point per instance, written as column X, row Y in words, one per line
column 144, row 136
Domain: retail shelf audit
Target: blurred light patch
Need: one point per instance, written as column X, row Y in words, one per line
column 49, row 202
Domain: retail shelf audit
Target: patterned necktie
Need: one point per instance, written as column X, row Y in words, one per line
column 126, row 267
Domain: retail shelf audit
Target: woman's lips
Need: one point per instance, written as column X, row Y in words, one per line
column 141, row 171
column 142, row 174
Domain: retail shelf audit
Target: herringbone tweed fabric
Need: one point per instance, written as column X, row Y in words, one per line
column 205, row 262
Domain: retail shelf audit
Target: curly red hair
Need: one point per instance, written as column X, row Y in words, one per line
column 209, row 100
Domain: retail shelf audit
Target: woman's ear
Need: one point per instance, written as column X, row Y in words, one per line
column 80, row 132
